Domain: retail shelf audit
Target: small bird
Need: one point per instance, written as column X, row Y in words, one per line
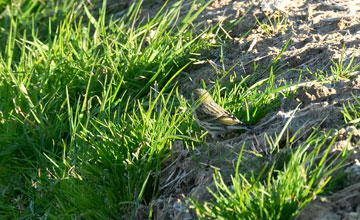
column 212, row 117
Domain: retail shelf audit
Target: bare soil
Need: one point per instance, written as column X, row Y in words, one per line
column 318, row 30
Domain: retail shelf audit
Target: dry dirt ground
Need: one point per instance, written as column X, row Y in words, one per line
column 318, row 30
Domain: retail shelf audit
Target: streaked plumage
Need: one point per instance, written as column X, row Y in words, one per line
column 212, row 117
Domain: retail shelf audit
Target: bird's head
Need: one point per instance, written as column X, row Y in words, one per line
column 201, row 95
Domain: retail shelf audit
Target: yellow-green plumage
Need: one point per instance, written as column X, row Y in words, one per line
column 212, row 117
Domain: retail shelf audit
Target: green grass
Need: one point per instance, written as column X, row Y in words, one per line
column 89, row 107
column 247, row 97
column 339, row 69
column 274, row 24
column 275, row 193
column 351, row 111
column 81, row 136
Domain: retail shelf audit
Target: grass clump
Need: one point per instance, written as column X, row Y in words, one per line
column 80, row 134
column 274, row 193
column 274, row 24
column 118, row 158
column 339, row 70
column 351, row 111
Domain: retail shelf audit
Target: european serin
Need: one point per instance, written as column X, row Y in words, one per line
column 212, row 117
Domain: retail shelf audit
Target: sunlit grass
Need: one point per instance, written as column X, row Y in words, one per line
column 275, row 193
column 81, row 136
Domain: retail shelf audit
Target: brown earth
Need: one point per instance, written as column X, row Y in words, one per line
column 318, row 30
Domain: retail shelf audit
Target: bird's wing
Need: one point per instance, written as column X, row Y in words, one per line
column 228, row 119
column 207, row 114
column 215, row 113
